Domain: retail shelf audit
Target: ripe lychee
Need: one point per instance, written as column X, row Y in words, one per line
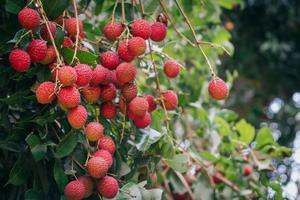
column 88, row 184
column 44, row 31
column 123, row 51
column 247, row 170
column 107, row 143
column 69, row 97
column 137, row 46
column 100, row 75
column 59, row 20
column 37, row 50
column 141, row 28
column 19, row 60
column 67, row 42
column 29, row 18
column 151, row 102
column 113, row 30
column 71, row 26
column 74, row 190
column 218, row 89
column 158, row 31
column 115, row 81
column 94, row 131
column 67, row 75
column 108, row 187
column 50, row 55
column 171, row 68
column 142, row 122
column 108, row 92
column 126, row 72
column 109, row 59
column 108, row 110
column 91, row 94
column 129, row 91
column 97, row 167
column 77, row 116
column 45, row 93
column 106, row 155
column 138, row 106
column 84, row 74
column 170, row 100
column 217, row 178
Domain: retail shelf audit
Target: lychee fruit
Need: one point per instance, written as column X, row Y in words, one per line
column 171, row 68
column 170, row 99
column 158, row 31
column 71, row 26
column 84, row 74
column 97, row 167
column 44, row 31
column 142, row 122
column 218, row 89
column 108, row 92
column 67, row 42
column 217, row 178
column 88, row 184
column 126, row 72
column 37, row 50
column 69, row 97
column 50, row 55
column 91, row 94
column 247, row 170
column 45, row 93
column 129, row 91
column 141, row 28
column 94, row 131
column 138, row 106
column 100, row 75
column 115, row 81
column 123, row 52
column 19, row 60
column 108, row 187
column 108, row 110
column 59, row 20
column 74, row 190
column 106, row 155
column 67, row 75
column 137, row 46
column 113, row 30
column 77, row 117
column 109, row 59
column 107, row 143
column 151, row 102
column 29, row 18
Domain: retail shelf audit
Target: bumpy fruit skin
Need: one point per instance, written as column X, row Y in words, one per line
column 216, row 177
column 100, row 75
column 247, row 170
column 107, row 143
column 218, row 89
column 50, row 55
column 126, row 72
column 45, row 92
column 113, row 30
column 84, row 74
column 37, row 50
column 97, row 167
column 138, row 106
column 171, row 68
column 74, row 190
column 170, row 100
column 88, row 184
column 109, row 92
column 91, row 94
column 141, row 28
column 105, row 155
column 109, row 59
column 71, row 26
column 19, row 60
column 29, row 18
column 115, row 81
column 137, row 46
column 44, row 31
column 158, row 31
column 67, row 75
column 94, row 131
column 69, row 97
column 67, row 42
column 108, row 110
column 151, row 102
column 77, row 116
column 124, row 53
column 129, row 91
column 108, row 187
column 142, row 122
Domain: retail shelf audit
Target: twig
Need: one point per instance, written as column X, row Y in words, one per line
column 123, row 12
column 185, row 184
column 114, row 11
column 77, row 31
column 21, row 38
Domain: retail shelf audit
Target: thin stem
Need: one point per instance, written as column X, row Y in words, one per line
column 123, row 12
column 77, row 31
column 186, row 185
column 142, row 8
column 123, row 124
column 21, row 38
column 114, row 11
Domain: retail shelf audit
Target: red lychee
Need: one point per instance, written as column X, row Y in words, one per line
column 77, row 116
column 142, row 122
column 141, row 28
column 126, row 72
column 88, row 184
column 74, row 190
column 44, row 31
column 171, row 68
column 67, row 75
column 247, row 170
column 67, row 42
column 100, row 75
column 170, row 99
column 94, row 131
column 69, row 97
column 105, row 155
column 97, row 167
column 71, row 26
column 151, row 102
column 115, row 81
column 113, row 30
column 138, row 106
column 108, row 187
column 19, row 60
column 108, row 92
column 50, row 55
column 45, row 93
column 158, row 31
column 37, row 50
column 107, row 143
column 108, row 110
column 109, row 59
column 129, row 91
column 123, row 52
column 84, row 74
column 217, row 177
column 29, row 18
column 218, row 89
column 91, row 94
column 137, row 46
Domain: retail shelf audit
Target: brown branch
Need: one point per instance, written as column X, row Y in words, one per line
column 77, row 31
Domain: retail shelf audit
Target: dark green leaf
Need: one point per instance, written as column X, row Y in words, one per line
column 55, row 8
column 20, row 171
column 33, row 195
column 67, row 145
column 59, row 175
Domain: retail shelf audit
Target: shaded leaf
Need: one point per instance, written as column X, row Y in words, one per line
column 67, row 145
column 179, row 162
column 145, row 138
column 59, row 175
column 20, row 172
column 55, row 8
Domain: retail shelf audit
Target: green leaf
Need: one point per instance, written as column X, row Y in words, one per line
column 20, row 171
column 145, row 138
column 229, row 4
column 55, row 8
column 67, row 145
column 14, row 6
column 132, row 189
column 208, row 156
column 59, row 175
column 179, row 162
column 83, row 56
column 38, row 150
column 33, row 195
column 246, row 130
column 224, row 128
column 59, row 37
column 264, row 137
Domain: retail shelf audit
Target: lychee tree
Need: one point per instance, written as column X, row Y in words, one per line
column 121, row 99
